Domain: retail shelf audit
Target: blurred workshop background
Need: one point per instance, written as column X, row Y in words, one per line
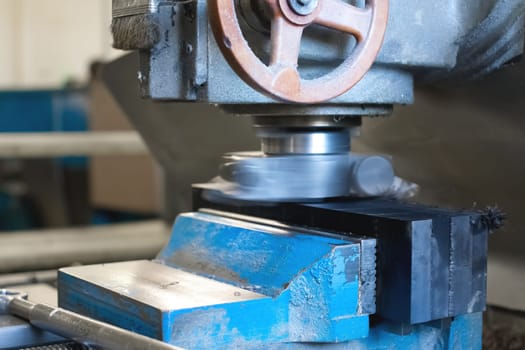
column 49, row 59
column 73, row 172
column 78, row 185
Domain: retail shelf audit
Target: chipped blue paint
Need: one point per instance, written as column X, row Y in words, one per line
column 252, row 256
column 466, row 332
column 316, row 278
column 310, row 294
column 329, row 292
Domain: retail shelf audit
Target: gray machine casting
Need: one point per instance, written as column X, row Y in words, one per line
column 425, row 41
column 423, row 38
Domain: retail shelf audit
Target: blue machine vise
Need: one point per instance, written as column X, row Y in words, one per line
column 227, row 281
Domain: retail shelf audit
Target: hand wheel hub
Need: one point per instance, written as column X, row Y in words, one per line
column 303, row 7
column 297, row 12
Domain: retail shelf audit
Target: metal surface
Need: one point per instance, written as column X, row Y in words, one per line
column 63, row 247
column 303, row 163
column 192, row 80
column 76, row 327
column 290, row 120
column 158, row 286
column 315, row 112
column 495, row 41
column 371, row 177
column 39, row 145
column 431, row 263
column 421, row 37
column 282, row 142
column 254, row 176
column 281, row 78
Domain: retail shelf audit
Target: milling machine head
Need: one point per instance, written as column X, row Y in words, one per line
column 307, row 71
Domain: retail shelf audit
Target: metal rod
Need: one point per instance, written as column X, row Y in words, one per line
column 28, row 278
column 73, row 326
column 51, row 249
column 37, row 145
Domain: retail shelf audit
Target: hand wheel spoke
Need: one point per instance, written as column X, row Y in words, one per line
column 339, row 15
column 286, row 43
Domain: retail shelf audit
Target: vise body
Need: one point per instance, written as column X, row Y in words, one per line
column 342, row 275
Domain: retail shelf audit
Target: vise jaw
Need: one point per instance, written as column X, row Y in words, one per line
column 221, row 281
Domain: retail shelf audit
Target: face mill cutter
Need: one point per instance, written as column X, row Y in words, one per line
column 305, row 244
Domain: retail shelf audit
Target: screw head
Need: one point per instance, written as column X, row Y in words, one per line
column 303, row 7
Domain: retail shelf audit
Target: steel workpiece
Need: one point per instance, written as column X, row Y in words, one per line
column 431, row 262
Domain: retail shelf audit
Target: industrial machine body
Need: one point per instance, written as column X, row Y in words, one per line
column 303, row 243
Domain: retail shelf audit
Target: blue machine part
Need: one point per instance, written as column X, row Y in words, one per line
column 15, row 213
column 228, row 283
column 39, row 111
column 45, row 111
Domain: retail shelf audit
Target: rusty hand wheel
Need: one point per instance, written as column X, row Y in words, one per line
column 280, row 79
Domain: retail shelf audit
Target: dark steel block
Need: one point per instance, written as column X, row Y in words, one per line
column 431, row 262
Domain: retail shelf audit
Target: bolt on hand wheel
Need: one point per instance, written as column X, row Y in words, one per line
column 280, row 79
